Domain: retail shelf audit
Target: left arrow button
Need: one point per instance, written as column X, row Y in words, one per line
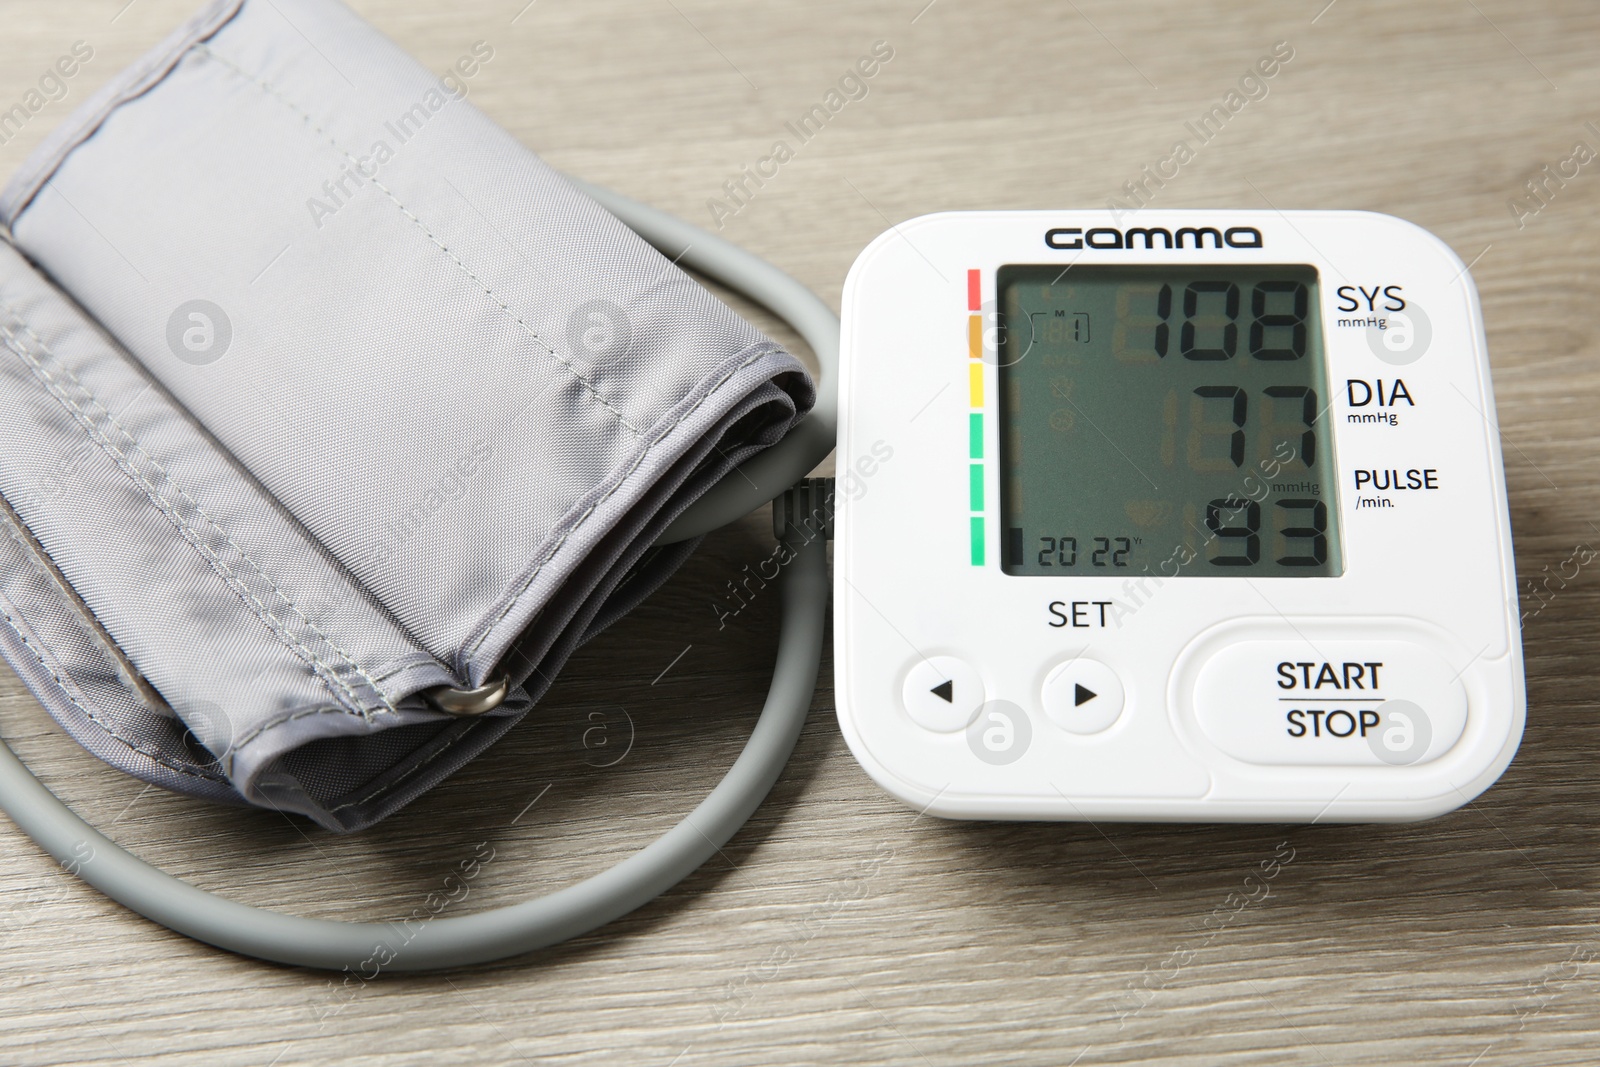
column 942, row 693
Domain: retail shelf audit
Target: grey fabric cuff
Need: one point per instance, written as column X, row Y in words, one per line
column 323, row 391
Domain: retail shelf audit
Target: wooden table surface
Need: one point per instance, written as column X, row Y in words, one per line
column 839, row 927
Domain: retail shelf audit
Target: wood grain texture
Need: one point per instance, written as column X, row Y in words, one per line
column 838, row 927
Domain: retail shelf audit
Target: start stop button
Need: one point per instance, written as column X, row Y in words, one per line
column 1303, row 700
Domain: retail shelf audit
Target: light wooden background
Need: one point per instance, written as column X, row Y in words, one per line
column 838, row 927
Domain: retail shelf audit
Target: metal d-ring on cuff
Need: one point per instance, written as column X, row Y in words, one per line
column 470, row 702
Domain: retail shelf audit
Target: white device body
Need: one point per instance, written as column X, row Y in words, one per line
column 1186, row 713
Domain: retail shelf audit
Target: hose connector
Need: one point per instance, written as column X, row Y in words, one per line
column 804, row 511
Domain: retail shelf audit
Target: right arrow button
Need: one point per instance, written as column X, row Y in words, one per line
column 1082, row 696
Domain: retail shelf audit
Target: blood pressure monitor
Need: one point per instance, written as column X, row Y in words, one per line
column 1179, row 515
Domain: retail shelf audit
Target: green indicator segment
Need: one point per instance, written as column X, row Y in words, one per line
column 977, row 540
column 975, row 434
column 977, row 487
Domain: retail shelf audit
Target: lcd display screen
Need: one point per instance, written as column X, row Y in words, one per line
column 1164, row 420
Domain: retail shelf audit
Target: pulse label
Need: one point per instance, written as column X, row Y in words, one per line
column 1397, row 480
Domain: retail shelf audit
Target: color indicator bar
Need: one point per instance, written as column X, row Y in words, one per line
column 975, row 419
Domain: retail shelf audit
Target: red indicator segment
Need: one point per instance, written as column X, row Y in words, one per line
column 974, row 291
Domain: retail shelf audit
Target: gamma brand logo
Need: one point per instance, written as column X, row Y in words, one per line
column 1070, row 237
